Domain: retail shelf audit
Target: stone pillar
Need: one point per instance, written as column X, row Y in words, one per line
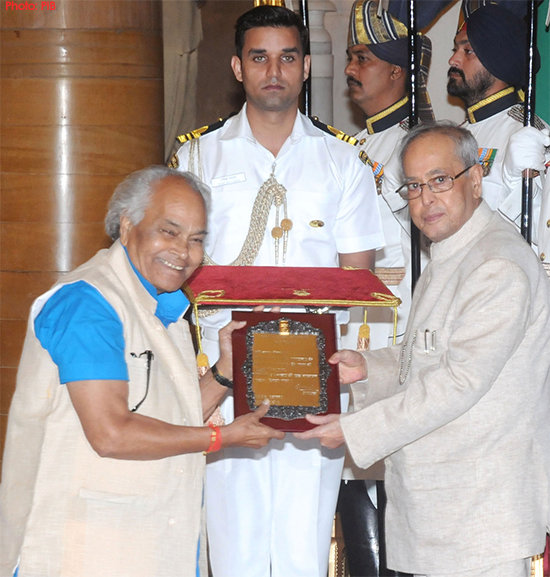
column 81, row 107
column 322, row 60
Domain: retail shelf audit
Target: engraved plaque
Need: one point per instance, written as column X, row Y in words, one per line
column 283, row 357
column 286, row 369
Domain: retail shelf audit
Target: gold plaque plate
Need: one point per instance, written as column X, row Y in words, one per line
column 283, row 357
column 286, row 369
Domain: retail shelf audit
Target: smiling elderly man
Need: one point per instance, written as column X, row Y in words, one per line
column 460, row 410
column 103, row 468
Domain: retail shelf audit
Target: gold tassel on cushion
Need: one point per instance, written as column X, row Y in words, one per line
column 537, row 566
column 203, row 364
column 363, row 338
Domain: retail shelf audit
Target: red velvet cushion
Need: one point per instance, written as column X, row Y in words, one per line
column 247, row 285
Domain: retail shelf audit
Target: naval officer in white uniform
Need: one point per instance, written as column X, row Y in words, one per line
column 286, row 191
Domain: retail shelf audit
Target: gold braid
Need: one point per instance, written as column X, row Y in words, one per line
column 271, row 192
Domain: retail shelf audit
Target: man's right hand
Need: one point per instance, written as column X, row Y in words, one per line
column 247, row 431
column 352, row 366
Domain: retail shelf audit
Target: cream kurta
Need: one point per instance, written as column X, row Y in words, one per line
column 65, row 510
column 468, row 431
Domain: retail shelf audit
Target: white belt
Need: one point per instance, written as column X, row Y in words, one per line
column 210, row 334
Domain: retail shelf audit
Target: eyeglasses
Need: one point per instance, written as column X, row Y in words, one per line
column 150, row 357
column 412, row 190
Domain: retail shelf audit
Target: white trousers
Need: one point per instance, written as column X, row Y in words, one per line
column 269, row 512
column 518, row 568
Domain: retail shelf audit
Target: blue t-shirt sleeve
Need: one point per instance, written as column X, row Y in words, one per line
column 83, row 334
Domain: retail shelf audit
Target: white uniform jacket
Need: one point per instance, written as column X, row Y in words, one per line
column 330, row 194
column 492, row 121
column 462, row 407
column 378, row 143
column 544, row 226
column 332, row 203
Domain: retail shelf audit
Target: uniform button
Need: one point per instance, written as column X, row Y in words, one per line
column 542, row 256
column 171, row 521
column 548, row 224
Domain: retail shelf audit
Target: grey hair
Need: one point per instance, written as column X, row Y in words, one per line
column 133, row 195
column 466, row 147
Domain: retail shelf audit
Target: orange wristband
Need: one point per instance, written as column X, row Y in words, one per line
column 215, row 439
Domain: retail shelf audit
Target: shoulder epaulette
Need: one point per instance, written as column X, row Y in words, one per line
column 516, row 112
column 174, row 161
column 334, row 131
column 404, row 124
column 200, row 131
column 365, row 158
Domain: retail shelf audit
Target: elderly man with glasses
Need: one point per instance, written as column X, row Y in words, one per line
column 461, row 409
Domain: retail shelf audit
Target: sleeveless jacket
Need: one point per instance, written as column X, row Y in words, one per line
column 66, row 511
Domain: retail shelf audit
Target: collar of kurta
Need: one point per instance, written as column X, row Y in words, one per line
column 170, row 306
column 493, row 105
column 239, row 127
column 388, row 117
column 445, row 249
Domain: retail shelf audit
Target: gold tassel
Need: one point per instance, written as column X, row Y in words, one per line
column 394, row 325
column 216, row 418
column 363, row 338
column 537, row 566
column 202, row 364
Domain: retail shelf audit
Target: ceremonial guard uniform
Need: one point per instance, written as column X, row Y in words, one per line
column 487, row 70
column 544, row 227
column 377, row 45
column 272, row 509
column 386, row 39
column 376, row 145
column 493, row 121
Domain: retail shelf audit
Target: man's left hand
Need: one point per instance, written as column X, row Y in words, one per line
column 329, row 431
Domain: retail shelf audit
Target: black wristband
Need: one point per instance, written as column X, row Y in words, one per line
column 220, row 378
